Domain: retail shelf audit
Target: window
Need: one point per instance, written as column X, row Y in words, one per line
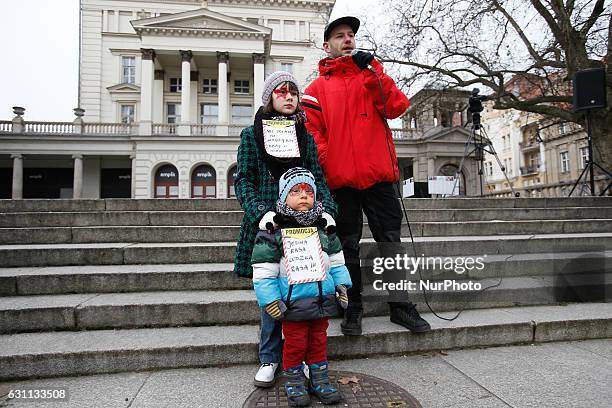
column 286, row 66
column 562, row 128
column 241, row 87
column 209, row 86
column 584, row 157
column 242, row 114
column 128, row 70
column 174, row 112
column 209, row 113
column 176, row 84
column 509, row 167
column 489, row 168
column 564, row 162
column 127, row 113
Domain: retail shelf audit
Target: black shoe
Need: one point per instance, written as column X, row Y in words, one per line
column 351, row 323
column 406, row 315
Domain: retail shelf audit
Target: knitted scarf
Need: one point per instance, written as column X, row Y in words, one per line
column 277, row 165
column 302, row 218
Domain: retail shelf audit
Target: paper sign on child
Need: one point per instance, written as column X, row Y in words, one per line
column 303, row 255
column 280, row 138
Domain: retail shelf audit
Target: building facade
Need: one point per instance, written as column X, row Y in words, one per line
column 165, row 88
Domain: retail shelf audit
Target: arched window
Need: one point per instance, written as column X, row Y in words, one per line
column 231, row 179
column 451, row 170
column 204, row 182
column 166, row 182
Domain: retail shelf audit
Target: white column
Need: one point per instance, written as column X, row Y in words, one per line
column 77, row 185
column 17, row 192
column 222, row 59
column 146, row 91
column 431, row 166
column 258, row 79
column 105, row 20
column 158, row 97
column 186, row 86
column 184, row 127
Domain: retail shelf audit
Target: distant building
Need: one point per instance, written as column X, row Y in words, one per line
column 543, row 157
column 165, row 89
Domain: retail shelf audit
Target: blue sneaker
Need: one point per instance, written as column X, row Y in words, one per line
column 295, row 387
column 320, row 386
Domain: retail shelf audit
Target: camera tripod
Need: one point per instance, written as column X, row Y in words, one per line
column 591, row 162
column 482, row 144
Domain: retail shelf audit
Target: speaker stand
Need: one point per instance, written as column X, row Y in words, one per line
column 591, row 163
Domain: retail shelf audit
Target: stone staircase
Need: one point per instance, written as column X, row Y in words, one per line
column 100, row 286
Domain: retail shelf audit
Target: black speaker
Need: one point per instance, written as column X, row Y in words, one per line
column 590, row 89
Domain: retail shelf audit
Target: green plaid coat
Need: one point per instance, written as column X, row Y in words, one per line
column 257, row 193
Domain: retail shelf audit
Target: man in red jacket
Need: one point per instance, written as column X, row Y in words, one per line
column 346, row 115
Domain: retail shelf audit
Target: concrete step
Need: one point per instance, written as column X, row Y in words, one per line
column 231, row 307
column 234, row 217
column 148, row 278
column 29, row 355
column 30, row 205
column 192, row 233
column 223, row 252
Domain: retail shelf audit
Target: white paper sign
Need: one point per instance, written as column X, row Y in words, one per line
column 280, row 138
column 446, row 185
column 303, row 255
column 408, row 188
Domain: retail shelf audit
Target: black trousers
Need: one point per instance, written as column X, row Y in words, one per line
column 382, row 208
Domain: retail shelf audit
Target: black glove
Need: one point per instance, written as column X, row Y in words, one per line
column 362, row 59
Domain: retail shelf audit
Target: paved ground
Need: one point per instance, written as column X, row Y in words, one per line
column 570, row 374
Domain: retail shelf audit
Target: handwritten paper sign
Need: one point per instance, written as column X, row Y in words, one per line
column 303, row 255
column 280, row 138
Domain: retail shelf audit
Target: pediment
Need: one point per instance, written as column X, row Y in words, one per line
column 201, row 20
column 124, row 88
column 442, row 134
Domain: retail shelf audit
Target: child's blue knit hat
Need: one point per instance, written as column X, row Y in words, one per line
column 291, row 177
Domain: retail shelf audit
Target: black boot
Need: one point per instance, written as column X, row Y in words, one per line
column 405, row 314
column 351, row 324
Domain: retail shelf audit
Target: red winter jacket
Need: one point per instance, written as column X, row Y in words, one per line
column 344, row 111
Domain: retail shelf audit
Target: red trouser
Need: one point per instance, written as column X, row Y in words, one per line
column 304, row 341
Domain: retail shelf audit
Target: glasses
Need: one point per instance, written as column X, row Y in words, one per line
column 298, row 188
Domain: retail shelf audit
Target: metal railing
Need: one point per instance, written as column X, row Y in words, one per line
column 529, row 170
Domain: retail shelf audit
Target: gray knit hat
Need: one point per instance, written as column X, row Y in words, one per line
column 275, row 79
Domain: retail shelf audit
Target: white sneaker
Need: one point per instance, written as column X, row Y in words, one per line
column 265, row 375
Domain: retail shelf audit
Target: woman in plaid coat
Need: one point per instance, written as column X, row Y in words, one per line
column 256, row 187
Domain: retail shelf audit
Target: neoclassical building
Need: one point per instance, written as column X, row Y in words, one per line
column 165, row 87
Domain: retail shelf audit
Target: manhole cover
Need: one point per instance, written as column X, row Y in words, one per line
column 358, row 390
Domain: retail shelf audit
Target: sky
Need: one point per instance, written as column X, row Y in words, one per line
column 39, row 40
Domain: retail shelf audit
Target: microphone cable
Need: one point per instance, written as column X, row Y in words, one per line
column 389, row 135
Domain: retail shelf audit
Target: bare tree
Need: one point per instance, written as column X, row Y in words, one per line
column 491, row 43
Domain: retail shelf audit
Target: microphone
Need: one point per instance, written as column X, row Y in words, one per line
column 369, row 67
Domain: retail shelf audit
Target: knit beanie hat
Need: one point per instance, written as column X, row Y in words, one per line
column 290, row 178
column 273, row 80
